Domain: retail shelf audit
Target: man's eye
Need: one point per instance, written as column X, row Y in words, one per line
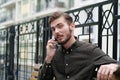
column 52, row 29
column 60, row 26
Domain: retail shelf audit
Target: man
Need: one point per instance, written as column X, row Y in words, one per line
column 72, row 59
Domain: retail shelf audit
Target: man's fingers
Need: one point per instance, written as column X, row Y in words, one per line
column 110, row 75
column 105, row 72
column 102, row 74
column 98, row 74
column 50, row 43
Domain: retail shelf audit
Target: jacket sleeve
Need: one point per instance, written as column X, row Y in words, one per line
column 46, row 72
column 101, row 58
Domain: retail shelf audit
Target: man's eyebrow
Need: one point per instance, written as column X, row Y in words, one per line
column 57, row 25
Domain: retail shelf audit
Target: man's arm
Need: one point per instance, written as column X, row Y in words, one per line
column 106, row 63
column 46, row 72
column 106, row 71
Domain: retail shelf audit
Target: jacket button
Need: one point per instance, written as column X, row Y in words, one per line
column 67, row 52
column 66, row 64
column 68, row 77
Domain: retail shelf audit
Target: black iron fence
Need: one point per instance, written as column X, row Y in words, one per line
column 23, row 45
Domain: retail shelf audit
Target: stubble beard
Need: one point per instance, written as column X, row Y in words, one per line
column 68, row 37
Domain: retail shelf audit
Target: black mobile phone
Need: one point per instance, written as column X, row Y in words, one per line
column 56, row 44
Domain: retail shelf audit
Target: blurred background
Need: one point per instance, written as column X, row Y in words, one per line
column 24, row 30
column 16, row 11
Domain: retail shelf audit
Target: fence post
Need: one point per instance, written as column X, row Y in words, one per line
column 11, row 53
column 46, row 36
column 115, row 12
column 37, row 42
column 100, row 27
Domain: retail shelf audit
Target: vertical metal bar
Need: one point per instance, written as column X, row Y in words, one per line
column 6, row 55
column 107, row 40
column 37, row 42
column 100, row 26
column 90, row 34
column 46, row 36
column 44, row 39
column 18, row 30
column 11, row 53
column 115, row 2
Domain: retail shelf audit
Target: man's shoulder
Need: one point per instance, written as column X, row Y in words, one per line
column 83, row 43
column 87, row 45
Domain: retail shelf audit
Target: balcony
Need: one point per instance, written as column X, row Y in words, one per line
column 50, row 5
column 7, row 3
column 7, row 19
column 6, row 22
column 46, row 8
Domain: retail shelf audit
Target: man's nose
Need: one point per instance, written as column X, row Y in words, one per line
column 57, row 30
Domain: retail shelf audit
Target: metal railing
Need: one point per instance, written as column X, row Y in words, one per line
column 24, row 44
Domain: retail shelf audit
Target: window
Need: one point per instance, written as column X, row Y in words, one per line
column 25, row 1
column 38, row 5
column 19, row 10
column 32, row 6
column 25, row 9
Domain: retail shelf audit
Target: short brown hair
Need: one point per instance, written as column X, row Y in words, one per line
column 56, row 15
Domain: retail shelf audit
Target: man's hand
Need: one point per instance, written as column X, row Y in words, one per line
column 50, row 50
column 105, row 72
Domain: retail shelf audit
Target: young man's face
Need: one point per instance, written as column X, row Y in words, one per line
column 61, row 30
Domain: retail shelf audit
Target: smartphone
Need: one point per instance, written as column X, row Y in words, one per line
column 56, row 44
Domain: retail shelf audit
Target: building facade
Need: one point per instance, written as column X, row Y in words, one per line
column 29, row 21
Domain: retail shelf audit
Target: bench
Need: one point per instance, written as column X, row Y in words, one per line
column 34, row 74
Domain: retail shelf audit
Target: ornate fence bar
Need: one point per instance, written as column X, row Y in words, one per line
column 23, row 45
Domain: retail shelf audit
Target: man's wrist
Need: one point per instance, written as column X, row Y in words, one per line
column 47, row 60
column 47, row 65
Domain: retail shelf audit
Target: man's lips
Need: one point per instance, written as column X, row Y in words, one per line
column 59, row 37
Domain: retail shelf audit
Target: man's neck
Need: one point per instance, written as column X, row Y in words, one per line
column 69, row 43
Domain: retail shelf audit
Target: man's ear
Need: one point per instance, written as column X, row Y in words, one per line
column 72, row 26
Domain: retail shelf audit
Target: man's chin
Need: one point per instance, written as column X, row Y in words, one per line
column 60, row 42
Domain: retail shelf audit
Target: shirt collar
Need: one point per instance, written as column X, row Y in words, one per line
column 73, row 46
